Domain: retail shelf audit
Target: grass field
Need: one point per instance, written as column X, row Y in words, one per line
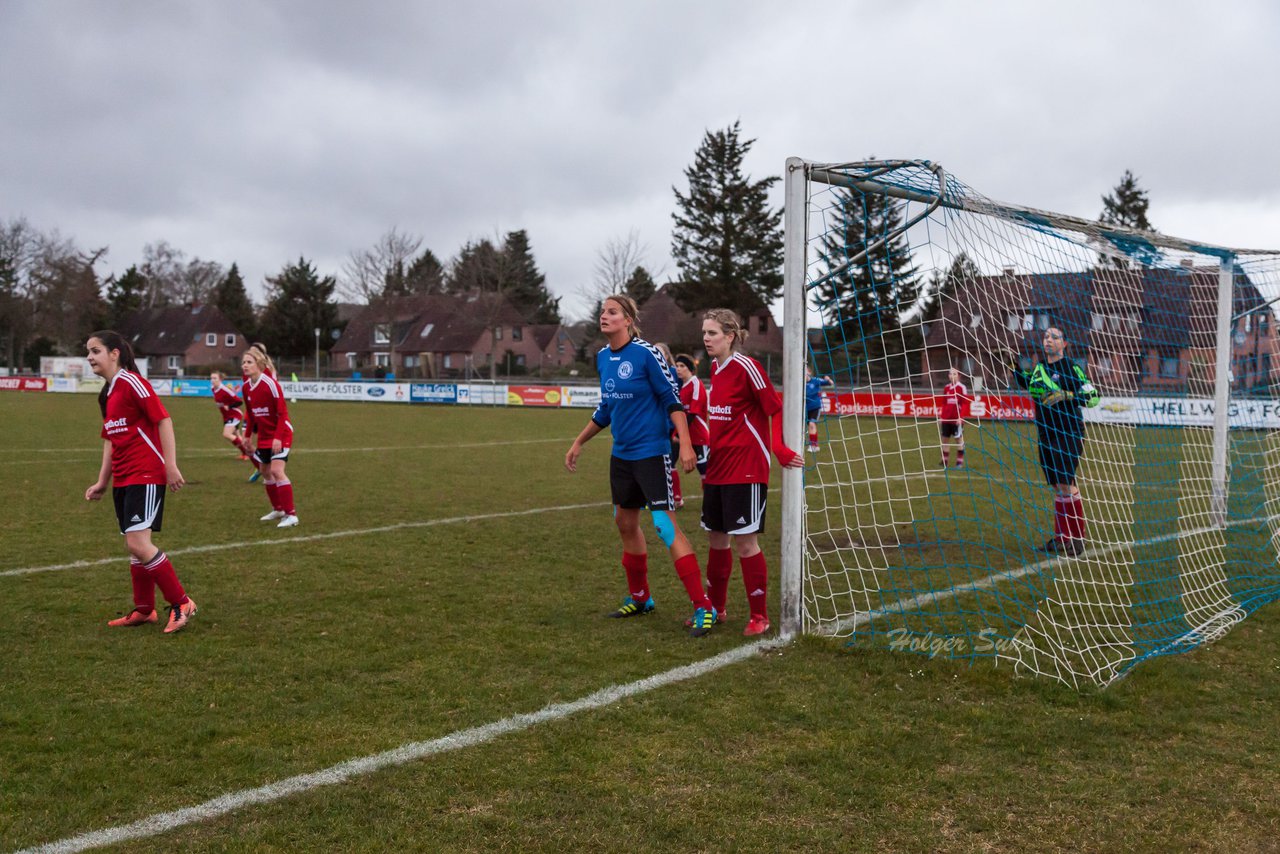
column 447, row 579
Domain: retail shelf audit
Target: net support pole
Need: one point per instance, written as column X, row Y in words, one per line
column 1222, row 391
column 795, row 222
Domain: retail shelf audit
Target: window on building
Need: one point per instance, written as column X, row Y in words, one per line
column 1262, row 321
column 175, row 362
column 1248, row 322
column 1104, row 365
column 229, row 340
column 411, row 361
column 497, row 333
column 517, row 333
column 211, row 339
column 426, row 330
column 1042, row 320
column 560, row 347
column 382, row 360
column 351, row 360
column 520, row 361
column 764, row 323
column 1028, row 322
column 1097, row 322
column 448, row 360
column 975, row 320
column 1013, row 322
column 382, row 333
column 1169, row 366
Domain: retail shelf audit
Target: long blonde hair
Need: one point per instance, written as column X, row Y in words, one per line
column 629, row 309
column 260, row 357
column 730, row 324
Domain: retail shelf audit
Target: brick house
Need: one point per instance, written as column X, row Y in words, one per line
column 179, row 338
column 446, row 336
column 662, row 320
column 1163, row 345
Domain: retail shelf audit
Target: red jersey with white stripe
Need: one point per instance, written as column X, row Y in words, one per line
column 693, row 395
column 267, row 413
column 739, row 406
column 132, row 426
column 228, row 403
column 953, row 395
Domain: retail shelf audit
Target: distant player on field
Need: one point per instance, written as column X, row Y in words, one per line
column 140, row 454
column 813, row 404
column 740, row 406
column 267, row 414
column 1060, row 390
column 639, row 402
column 950, row 417
column 228, row 403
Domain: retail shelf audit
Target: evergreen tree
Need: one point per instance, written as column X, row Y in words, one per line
column 298, row 301
column 125, row 295
column 425, row 275
column 866, row 292
column 1126, row 206
column 478, row 268
column 727, row 242
column 639, row 286
column 524, row 283
column 231, row 298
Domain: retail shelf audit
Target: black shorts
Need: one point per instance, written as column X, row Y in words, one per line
column 951, row 429
column 702, row 452
column 641, row 483
column 812, row 414
column 1059, row 461
column 139, row 507
column 734, row 508
column 265, row 456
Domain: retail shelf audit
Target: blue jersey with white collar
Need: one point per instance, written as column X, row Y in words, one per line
column 638, row 392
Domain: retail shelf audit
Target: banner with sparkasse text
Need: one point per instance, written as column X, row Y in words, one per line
column 1152, row 411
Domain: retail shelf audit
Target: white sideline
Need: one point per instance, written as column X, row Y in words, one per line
column 219, row 806
column 356, row 532
column 227, row 452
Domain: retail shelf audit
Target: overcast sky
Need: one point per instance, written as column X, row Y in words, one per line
column 258, row 132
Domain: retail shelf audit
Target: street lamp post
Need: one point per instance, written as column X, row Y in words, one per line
column 317, row 352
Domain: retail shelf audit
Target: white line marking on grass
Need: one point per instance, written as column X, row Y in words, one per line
column 344, row 771
column 303, row 451
column 284, row 541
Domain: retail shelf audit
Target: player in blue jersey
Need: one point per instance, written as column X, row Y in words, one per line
column 1060, row 390
column 813, row 404
column 639, row 403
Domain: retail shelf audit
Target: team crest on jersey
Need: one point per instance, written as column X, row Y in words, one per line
column 608, row 384
column 624, row 371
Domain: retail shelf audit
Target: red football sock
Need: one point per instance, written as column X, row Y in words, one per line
column 166, row 579
column 144, row 587
column 1075, row 517
column 691, row 576
column 719, row 569
column 960, row 455
column 755, row 577
column 284, row 494
column 637, row 569
column 1061, row 525
column 813, row 436
column 272, row 494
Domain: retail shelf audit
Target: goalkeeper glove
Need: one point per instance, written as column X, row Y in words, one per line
column 1054, row 397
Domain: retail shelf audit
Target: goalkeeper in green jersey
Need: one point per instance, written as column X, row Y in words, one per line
column 1060, row 390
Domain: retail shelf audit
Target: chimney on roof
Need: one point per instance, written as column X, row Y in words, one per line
column 1188, row 263
column 1009, row 271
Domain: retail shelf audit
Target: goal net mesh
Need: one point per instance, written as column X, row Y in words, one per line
column 1173, row 538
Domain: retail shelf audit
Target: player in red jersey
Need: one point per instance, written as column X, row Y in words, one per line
column 140, row 454
column 229, row 403
column 693, row 395
column 740, row 406
column 950, row 417
column 267, row 414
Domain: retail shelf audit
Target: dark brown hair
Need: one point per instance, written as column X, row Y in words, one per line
column 113, row 340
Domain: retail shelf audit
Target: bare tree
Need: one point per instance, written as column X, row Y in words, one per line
column 199, row 279
column 19, row 244
column 615, row 262
column 163, row 269
column 381, row 270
